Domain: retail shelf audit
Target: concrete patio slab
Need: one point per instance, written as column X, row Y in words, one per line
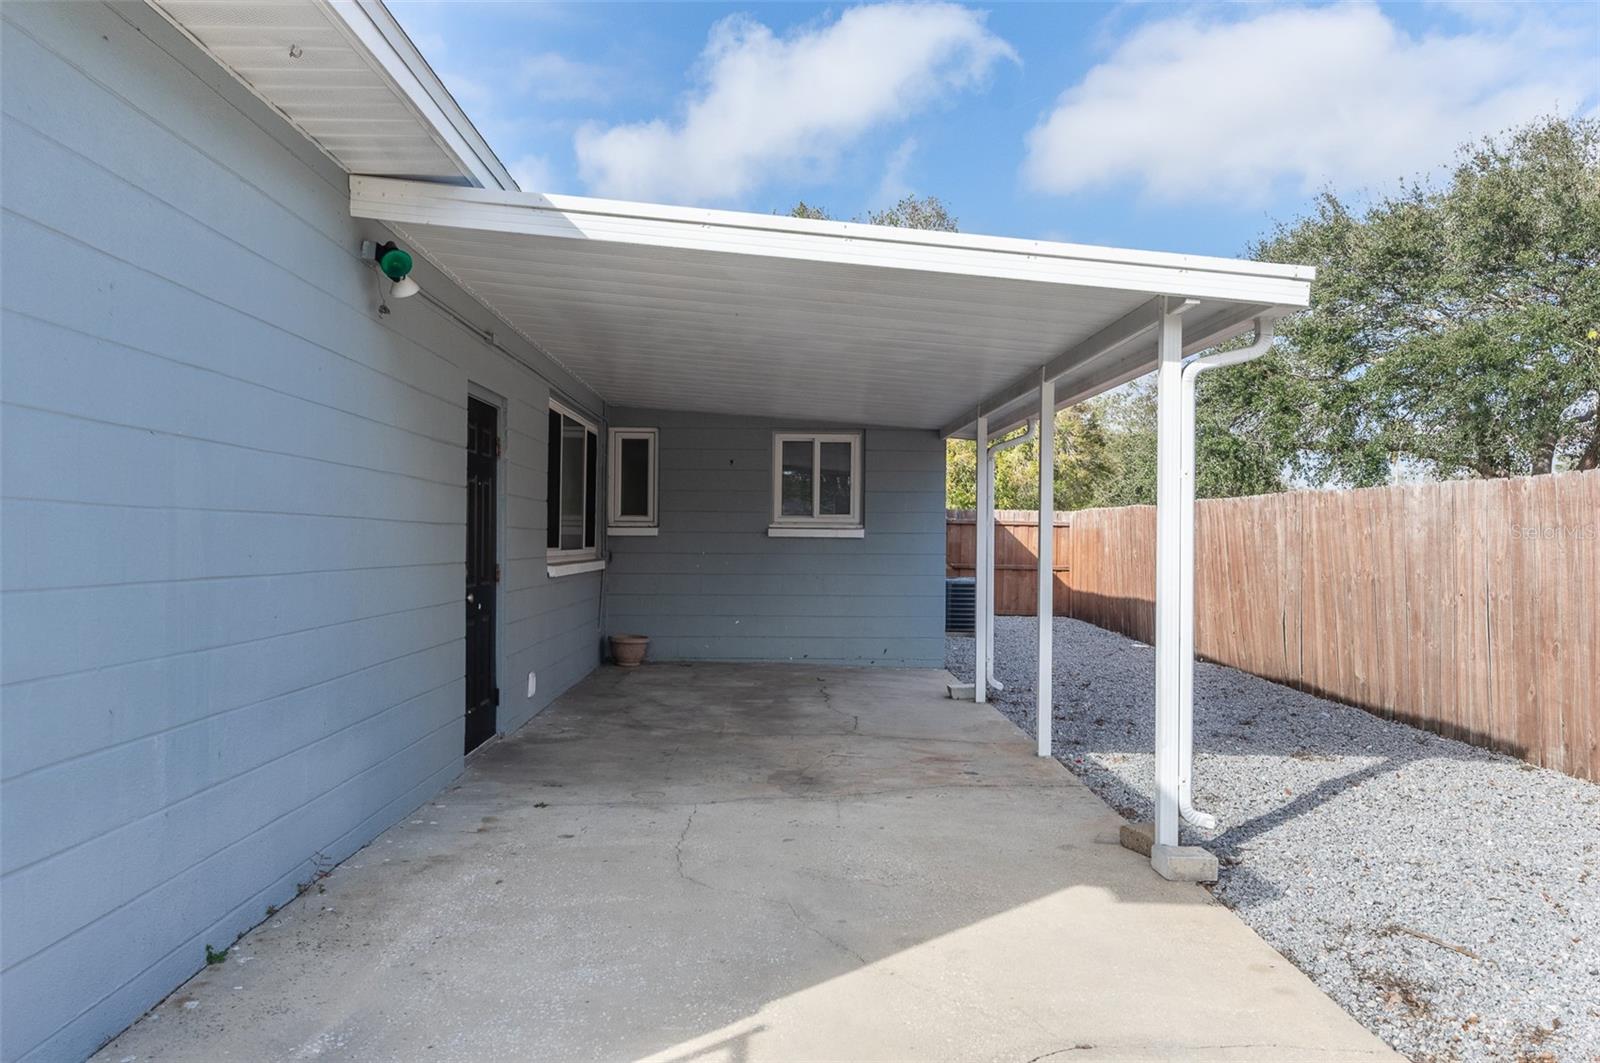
column 738, row 863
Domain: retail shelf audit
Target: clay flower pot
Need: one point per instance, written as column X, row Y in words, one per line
column 628, row 650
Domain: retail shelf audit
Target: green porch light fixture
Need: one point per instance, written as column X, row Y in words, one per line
column 395, row 263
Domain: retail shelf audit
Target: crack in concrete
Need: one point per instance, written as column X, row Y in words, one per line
column 1082, row 1047
column 677, row 852
column 835, row 942
column 827, row 703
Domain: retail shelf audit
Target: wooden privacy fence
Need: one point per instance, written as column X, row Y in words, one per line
column 1016, row 556
column 1470, row 608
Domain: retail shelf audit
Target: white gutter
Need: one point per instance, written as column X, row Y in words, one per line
column 1186, row 609
column 987, row 470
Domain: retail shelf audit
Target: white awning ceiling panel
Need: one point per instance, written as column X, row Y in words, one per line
column 721, row 312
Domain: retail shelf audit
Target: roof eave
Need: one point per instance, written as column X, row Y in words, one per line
column 373, row 36
column 372, row 28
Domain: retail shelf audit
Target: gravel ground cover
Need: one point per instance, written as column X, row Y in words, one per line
column 1446, row 896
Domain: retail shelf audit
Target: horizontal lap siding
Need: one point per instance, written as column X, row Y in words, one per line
column 713, row 586
column 233, row 533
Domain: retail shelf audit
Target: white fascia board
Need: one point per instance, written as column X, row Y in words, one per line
column 845, row 243
column 373, row 30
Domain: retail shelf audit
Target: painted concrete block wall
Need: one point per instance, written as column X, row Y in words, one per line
column 232, row 536
column 713, row 586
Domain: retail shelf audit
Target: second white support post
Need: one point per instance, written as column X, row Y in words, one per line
column 1169, row 563
column 1047, row 560
column 983, row 568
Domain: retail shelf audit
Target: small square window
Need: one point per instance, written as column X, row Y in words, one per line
column 816, row 481
column 632, row 500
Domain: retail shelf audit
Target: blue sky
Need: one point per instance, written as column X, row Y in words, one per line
column 1178, row 127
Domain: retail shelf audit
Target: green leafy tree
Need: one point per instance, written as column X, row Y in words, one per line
column 915, row 212
column 803, row 209
column 1129, row 415
column 912, row 212
column 1454, row 331
column 960, row 474
column 1106, row 453
column 1082, row 463
column 1237, row 451
column 1448, row 331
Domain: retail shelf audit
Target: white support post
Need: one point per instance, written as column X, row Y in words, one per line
column 1169, row 577
column 1047, row 561
column 983, row 568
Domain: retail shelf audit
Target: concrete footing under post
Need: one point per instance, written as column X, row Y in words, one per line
column 1184, row 863
column 1180, row 863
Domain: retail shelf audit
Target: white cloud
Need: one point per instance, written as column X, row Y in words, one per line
column 550, row 76
column 769, row 106
column 533, row 173
column 1230, row 110
column 893, row 185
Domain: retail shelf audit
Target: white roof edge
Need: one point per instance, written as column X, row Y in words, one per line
column 851, row 243
column 371, row 28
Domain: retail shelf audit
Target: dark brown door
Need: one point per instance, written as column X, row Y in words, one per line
column 482, row 447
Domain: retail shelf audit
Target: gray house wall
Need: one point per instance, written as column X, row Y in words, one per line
column 232, row 543
column 712, row 584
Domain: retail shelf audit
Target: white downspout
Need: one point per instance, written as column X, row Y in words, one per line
column 986, row 519
column 1186, row 609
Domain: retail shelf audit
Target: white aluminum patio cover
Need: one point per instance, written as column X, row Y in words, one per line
column 724, row 312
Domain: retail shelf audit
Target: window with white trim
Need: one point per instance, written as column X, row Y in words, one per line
column 631, row 501
column 816, row 480
column 574, row 454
